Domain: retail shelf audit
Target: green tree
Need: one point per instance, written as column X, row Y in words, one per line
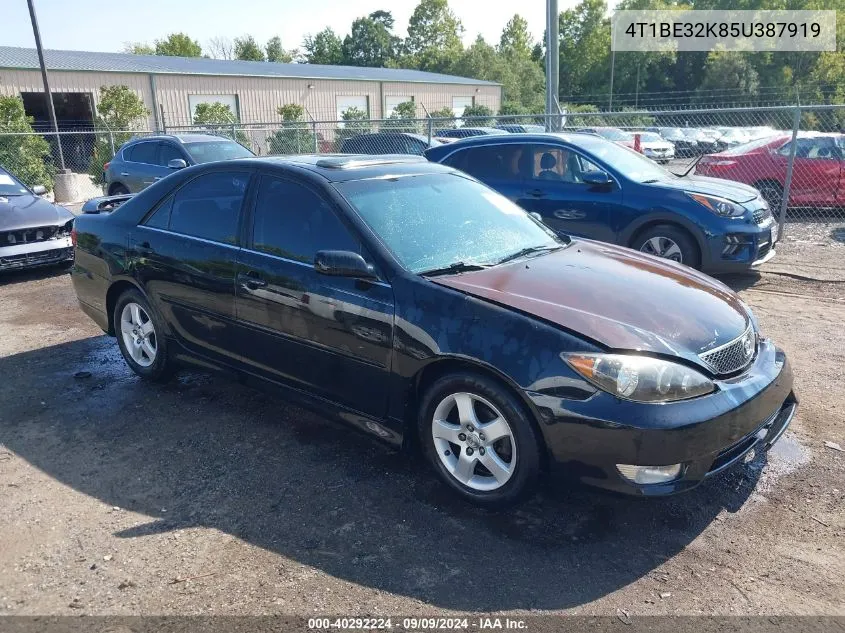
column 323, row 48
column 218, row 118
column 294, row 137
column 119, row 111
column 28, row 157
column 728, row 71
column 444, row 119
column 371, row 42
column 434, row 36
column 178, row 45
column 403, row 118
column 247, row 49
column 584, row 48
column 275, row 52
column 477, row 116
column 138, row 48
column 355, row 123
column 516, row 40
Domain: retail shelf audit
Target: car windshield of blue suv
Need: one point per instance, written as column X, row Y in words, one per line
column 213, row 151
column 9, row 185
column 436, row 221
column 633, row 165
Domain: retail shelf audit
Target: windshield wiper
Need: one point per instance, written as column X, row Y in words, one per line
column 690, row 168
column 454, row 268
column 529, row 251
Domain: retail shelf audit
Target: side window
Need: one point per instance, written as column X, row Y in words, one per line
column 160, row 219
column 144, row 153
column 558, row 164
column 167, row 153
column 292, row 221
column 209, row 206
column 491, row 162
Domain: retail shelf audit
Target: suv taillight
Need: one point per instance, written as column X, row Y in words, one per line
column 73, row 237
column 106, row 166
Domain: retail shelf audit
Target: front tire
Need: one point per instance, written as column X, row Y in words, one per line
column 668, row 242
column 772, row 193
column 479, row 440
column 140, row 337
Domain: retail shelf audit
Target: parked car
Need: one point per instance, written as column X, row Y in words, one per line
column 142, row 161
column 685, row 146
column 466, row 132
column 501, row 358
column 583, row 185
column 521, row 128
column 818, row 172
column 33, row 231
column 731, row 137
column 387, row 143
column 704, row 143
column 653, row 146
column 626, row 139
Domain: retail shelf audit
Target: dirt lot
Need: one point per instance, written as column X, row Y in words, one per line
column 201, row 496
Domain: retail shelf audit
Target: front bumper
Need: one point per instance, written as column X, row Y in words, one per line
column 740, row 248
column 706, row 435
column 46, row 253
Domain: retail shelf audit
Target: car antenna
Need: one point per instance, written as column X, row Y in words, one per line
column 690, row 168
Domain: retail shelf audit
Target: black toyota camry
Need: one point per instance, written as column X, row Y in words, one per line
column 426, row 309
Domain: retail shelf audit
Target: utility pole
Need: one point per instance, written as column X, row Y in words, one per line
column 612, row 65
column 637, row 89
column 50, row 107
column 552, row 66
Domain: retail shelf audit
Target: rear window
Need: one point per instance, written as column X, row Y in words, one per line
column 213, row 151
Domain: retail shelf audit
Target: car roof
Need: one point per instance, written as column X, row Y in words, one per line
column 182, row 138
column 347, row 167
column 419, row 137
column 521, row 137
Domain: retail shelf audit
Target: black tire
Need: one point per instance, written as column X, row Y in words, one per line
column 162, row 366
column 118, row 189
column 772, row 193
column 689, row 253
column 527, row 453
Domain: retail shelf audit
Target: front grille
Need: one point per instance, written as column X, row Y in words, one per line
column 733, row 356
column 762, row 215
column 30, row 235
column 41, row 258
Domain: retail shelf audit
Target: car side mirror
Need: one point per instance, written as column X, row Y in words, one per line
column 343, row 264
column 176, row 163
column 39, row 190
column 596, row 177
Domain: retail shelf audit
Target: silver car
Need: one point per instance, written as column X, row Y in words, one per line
column 33, row 231
column 142, row 161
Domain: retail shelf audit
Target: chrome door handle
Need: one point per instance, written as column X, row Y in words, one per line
column 569, row 214
column 124, row 173
column 251, row 281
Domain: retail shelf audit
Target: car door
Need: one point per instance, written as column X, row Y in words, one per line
column 496, row 165
column 169, row 151
column 185, row 255
column 141, row 167
column 554, row 188
column 328, row 336
column 815, row 171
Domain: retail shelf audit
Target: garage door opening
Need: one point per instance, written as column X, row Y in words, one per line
column 74, row 112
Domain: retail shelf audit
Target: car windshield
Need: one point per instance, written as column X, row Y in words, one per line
column 626, row 162
column 744, row 148
column 213, row 151
column 11, row 186
column 614, row 134
column 434, row 221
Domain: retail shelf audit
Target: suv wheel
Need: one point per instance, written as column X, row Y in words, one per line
column 668, row 242
column 118, row 190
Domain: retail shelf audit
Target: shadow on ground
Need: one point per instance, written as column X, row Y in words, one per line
column 12, row 277
column 214, row 453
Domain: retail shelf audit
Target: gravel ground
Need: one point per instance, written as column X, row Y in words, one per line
column 202, row 496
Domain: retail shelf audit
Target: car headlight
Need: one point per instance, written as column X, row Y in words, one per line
column 640, row 378
column 719, row 206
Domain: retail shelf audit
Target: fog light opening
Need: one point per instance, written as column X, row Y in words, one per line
column 649, row 474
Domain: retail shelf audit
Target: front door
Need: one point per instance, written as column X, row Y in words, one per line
column 186, row 254
column 554, row 188
column 329, row 336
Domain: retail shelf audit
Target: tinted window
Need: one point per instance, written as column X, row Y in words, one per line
column 491, row 162
column 9, row 185
column 144, row 153
column 160, row 219
column 167, row 153
column 294, row 222
column 822, row 148
column 209, row 206
column 558, row 164
column 213, row 151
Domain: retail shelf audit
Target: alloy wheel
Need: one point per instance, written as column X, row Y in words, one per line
column 663, row 247
column 474, row 441
column 139, row 335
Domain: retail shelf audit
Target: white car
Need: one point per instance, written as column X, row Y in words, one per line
column 655, row 147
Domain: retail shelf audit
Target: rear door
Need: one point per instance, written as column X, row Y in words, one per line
column 329, row 336
column 554, row 188
column 498, row 166
column 185, row 254
column 815, row 172
column 140, row 168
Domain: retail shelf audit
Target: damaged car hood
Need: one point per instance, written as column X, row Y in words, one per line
column 27, row 211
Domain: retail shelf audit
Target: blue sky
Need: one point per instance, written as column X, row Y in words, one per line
column 99, row 25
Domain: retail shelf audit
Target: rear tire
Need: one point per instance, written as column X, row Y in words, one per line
column 140, row 337
column 480, row 441
column 669, row 242
column 772, row 193
column 118, row 189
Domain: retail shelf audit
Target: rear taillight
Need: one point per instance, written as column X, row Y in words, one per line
column 106, row 166
column 73, row 237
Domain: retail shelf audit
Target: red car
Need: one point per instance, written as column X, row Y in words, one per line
column 818, row 174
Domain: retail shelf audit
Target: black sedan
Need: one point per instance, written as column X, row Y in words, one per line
column 33, row 231
column 425, row 309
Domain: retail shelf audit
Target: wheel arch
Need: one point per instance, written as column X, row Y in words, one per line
column 651, row 223
column 113, row 294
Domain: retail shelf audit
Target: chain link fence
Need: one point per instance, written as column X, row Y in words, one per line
column 794, row 155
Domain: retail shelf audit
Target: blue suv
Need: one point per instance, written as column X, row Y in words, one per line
column 583, row 185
